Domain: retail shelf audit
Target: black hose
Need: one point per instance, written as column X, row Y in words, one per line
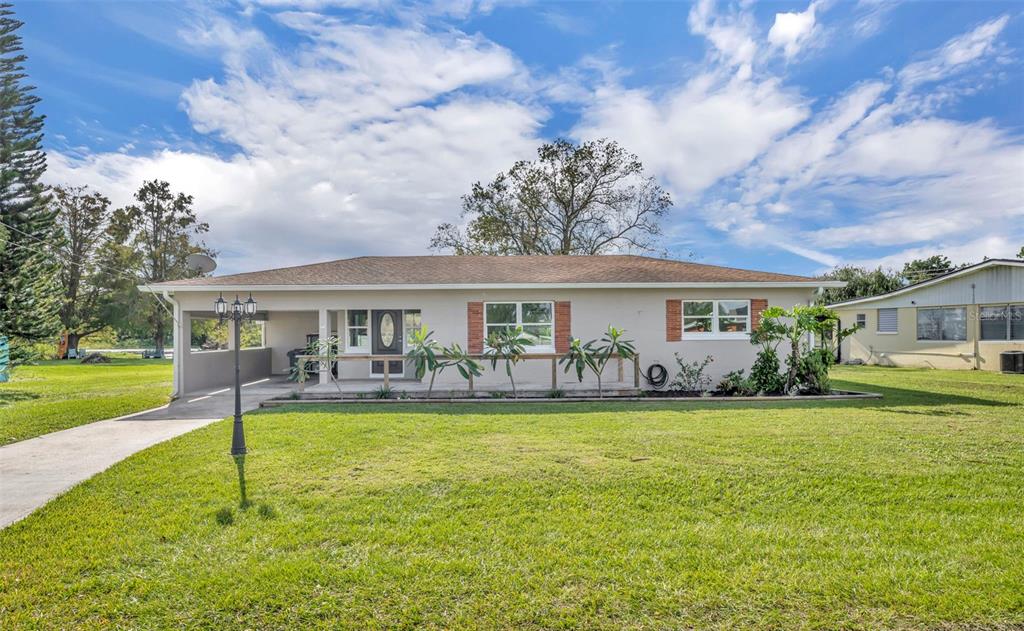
column 656, row 375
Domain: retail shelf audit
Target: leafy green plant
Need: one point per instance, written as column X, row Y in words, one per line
column 498, row 394
column 423, row 351
column 508, row 345
column 736, row 384
column 596, row 354
column 382, row 392
column 691, row 377
column 556, row 393
column 455, row 357
column 225, row 516
column 807, row 370
column 765, row 373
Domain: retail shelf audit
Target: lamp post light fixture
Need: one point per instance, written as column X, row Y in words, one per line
column 236, row 313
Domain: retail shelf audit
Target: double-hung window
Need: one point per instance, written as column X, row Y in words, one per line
column 862, row 320
column 942, row 324
column 536, row 318
column 357, row 331
column 716, row 318
column 1003, row 322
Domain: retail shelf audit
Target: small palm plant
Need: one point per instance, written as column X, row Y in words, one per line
column 509, row 345
column 460, row 359
column 423, row 351
column 595, row 354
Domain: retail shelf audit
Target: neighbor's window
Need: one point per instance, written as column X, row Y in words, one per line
column 357, row 331
column 887, row 321
column 1005, row 322
column 862, row 320
column 942, row 324
column 536, row 318
column 413, row 322
column 715, row 317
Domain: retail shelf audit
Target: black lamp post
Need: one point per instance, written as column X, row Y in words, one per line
column 236, row 312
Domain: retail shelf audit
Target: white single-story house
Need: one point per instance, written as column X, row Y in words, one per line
column 372, row 303
column 962, row 319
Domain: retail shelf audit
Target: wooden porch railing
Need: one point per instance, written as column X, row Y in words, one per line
column 552, row 357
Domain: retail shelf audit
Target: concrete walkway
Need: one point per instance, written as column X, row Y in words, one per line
column 34, row 471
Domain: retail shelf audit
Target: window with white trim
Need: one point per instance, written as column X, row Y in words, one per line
column 413, row 322
column 942, row 324
column 1002, row 323
column 536, row 318
column 357, row 331
column 862, row 320
column 709, row 318
column 888, row 321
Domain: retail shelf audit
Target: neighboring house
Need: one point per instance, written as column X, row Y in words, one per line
column 962, row 319
column 373, row 303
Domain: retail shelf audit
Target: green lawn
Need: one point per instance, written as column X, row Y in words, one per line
column 904, row 512
column 58, row 395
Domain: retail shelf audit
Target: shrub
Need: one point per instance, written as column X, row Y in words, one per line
column 691, row 377
column 734, row 384
column 556, row 393
column 764, row 374
column 382, row 392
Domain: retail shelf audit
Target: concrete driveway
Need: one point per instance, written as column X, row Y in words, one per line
column 34, row 471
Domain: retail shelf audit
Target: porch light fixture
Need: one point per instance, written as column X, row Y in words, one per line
column 237, row 314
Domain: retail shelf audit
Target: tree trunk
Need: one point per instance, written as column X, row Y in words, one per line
column 794, row 363
column 158, row 339
column 73, row 340
column 430, row 388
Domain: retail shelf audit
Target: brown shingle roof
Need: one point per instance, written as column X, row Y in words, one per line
column 493, row 270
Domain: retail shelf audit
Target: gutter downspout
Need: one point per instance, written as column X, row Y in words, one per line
column 176, row 343
column 977, row 328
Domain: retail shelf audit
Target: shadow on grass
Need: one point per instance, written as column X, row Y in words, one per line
column 14, row 396
column 243, row 498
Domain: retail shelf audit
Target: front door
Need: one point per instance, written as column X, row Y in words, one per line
column 387, row 339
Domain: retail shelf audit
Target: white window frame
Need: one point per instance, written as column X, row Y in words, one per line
column 714, row 334
column 917, row 332
column 1009, row 323
column 861, row 320
column 519, row 322
column 358, row 350
column 878, row 321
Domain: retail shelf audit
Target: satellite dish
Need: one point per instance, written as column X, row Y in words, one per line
column 200, row 263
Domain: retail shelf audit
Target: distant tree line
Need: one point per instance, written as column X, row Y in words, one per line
column 68, row 261
column 862, row 282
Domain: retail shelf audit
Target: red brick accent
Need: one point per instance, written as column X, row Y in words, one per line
column 757, row 305
column 475, row 327
column 673, row 320
column 563, row 326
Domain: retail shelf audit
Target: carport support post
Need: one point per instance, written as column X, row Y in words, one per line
column 237, row 430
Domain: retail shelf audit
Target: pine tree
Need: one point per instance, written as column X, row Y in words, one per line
column 29, row 293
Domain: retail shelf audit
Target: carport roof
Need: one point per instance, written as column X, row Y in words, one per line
column 490, row 271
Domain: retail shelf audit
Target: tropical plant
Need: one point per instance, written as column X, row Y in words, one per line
column 423, row 351
column 509, row 345
column 595, row 354
column 735, row 384
column 691, row 377
column 764, row 374
column 383, row 392
column 807, row 371
column 455, row 356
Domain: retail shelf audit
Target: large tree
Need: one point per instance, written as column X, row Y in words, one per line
column 923, row 269
column 82, row 221
column 860, row 283
column 151, row 239
column 589, row 198
column 29, row 295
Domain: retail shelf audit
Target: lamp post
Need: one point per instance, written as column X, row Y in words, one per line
column 237, row 311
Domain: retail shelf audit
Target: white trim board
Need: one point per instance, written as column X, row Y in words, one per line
column 497, row 286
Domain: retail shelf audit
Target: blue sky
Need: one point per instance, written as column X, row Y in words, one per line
column 793, row 136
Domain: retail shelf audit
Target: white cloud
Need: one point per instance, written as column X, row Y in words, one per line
column 792, row 30
column 958, row 53
column 358, row 142
column 733, row 36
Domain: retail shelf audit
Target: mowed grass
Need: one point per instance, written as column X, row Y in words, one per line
column 905, row 512
column 57, row 395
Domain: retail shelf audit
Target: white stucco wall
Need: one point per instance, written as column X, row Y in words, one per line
column 293, row 314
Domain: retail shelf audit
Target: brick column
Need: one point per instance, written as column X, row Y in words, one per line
column 673, row 320
column 563, row 326
column 757, row 305
column 475, row 327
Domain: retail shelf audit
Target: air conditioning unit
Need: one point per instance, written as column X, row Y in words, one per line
column 1012, row 362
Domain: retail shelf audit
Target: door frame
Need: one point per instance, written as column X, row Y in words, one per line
column 399, row 332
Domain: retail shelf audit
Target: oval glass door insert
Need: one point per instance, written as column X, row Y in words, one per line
column 387, row 329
